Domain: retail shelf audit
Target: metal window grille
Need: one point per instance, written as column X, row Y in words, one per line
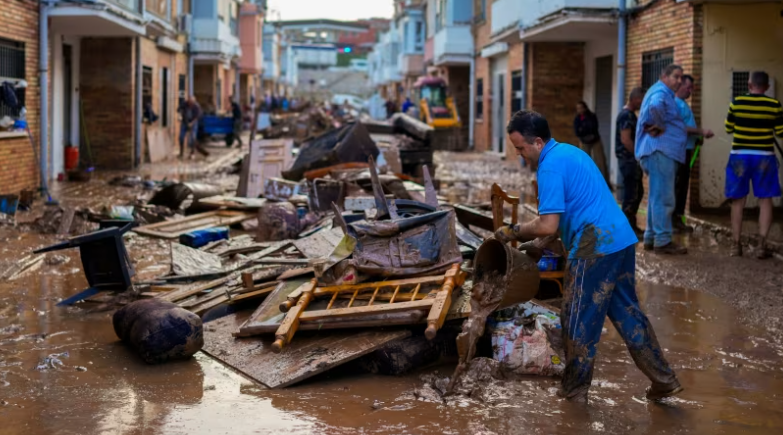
column 653, row 64
column 12, row 64
column 516, row 91
column 739, row 83
column 479, row 98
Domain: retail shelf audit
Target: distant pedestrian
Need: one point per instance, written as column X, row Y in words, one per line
column 683, row 178
column 236, row 114
column 406, row 105
column 660, row 147
column 625, row 141
column 754, row 119
column 586, row 129
column 188, row 128
column 391, row 108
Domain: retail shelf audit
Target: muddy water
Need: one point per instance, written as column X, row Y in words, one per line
column 733, row 378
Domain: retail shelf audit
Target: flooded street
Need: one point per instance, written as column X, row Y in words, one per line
column 732, row 372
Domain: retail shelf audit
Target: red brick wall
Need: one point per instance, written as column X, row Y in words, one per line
column 18, row 166
column 679, row 26
column 106, row 88
column 482, row 128
column 556, row 83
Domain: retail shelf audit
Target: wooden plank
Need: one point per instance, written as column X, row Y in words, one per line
column 294, row 273
column 182, row 293
column 263, row 291
column 175, row 228
column 307, row 356
column 309, row 316
column 66, row 221
column 281, row 261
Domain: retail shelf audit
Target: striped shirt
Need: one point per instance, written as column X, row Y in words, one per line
column 754, row 120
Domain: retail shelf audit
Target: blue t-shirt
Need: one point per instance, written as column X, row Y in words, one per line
column 690, row 121
column 570, row 184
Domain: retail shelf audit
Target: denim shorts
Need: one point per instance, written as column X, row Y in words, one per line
column 761, row 170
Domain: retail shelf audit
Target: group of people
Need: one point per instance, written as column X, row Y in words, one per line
column 661, row 143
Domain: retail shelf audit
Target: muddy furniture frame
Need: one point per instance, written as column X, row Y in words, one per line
column 499, row 198
column 403, row 295
column 104, row 259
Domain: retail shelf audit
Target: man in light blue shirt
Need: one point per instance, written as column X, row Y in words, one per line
column 683, row 178
column 600, row 271
column 660, row 146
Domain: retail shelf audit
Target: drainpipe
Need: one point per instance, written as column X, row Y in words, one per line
column 137, row 98
column 189, row 29
column 622, row 29
column 472, row 110
column 525, row 70
column 43, row 77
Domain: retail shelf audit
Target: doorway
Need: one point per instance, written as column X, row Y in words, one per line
column 604, row 68
column 67, row 71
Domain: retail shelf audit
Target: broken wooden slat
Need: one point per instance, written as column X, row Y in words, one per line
column 442, row 303
column 174, row 228
column 281, row 261
column 263, row 291
column 396, row 290
column 416, row 291
column 374, row 294
column 66, row 221
column 347, row 288
column 309, row 316
column 183, row 293
column 290, row 324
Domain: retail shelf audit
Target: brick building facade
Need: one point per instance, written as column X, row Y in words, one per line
column 19, row 31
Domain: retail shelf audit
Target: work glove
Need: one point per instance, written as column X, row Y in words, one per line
column 507, row 233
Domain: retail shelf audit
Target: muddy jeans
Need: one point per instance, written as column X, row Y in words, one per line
column 661, row 171
column 596, row 152
column 189, row 135
column 596, row 288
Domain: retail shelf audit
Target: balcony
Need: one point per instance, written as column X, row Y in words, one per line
column 411, row 64
column 213, row 40
column 453, row 45
column 115, row 18
column 567, row 20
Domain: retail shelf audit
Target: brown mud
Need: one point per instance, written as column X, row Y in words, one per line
column 732, row 372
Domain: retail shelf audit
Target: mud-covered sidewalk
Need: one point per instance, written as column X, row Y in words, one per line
column 63, row 370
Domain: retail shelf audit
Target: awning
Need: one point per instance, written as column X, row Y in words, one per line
column 95, row 21
column 568, row 26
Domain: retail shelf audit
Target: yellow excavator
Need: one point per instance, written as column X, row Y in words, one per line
column 436, row 106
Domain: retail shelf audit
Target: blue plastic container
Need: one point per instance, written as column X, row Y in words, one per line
column 549, row 262
column 197, row 239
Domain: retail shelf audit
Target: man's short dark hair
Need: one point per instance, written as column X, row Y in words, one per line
column 637, row 92
column 669, row 70
column 530, row 125
column 759, row 79
column 688, row 77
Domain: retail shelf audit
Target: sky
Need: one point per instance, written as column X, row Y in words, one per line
column 346, row 10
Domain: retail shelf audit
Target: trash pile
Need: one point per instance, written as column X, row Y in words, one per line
column 332, row 248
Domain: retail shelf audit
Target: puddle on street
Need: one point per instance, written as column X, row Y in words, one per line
column 732, row 374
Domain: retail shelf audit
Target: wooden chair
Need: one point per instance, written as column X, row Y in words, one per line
column 499, row 197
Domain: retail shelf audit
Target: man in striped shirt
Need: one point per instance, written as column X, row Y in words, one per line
column 754, row 120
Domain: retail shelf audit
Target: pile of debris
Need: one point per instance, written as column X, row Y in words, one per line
column 348, row 237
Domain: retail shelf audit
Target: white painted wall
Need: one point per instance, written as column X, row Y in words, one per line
column 736, row 38
column 594, row 50
column 58, row 142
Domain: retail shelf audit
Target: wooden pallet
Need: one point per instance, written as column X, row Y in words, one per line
column 173, row 229
column 400, row 296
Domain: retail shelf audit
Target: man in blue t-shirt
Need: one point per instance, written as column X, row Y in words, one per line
column 600, row 271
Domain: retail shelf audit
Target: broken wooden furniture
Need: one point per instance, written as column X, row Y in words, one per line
column 104, row 259
column 499, row 198
column 174, row 228
column 556, row 276
column 373, row 304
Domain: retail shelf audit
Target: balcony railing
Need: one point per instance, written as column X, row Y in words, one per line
column 131, row 5
column 453, row 41
column 157, row 7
